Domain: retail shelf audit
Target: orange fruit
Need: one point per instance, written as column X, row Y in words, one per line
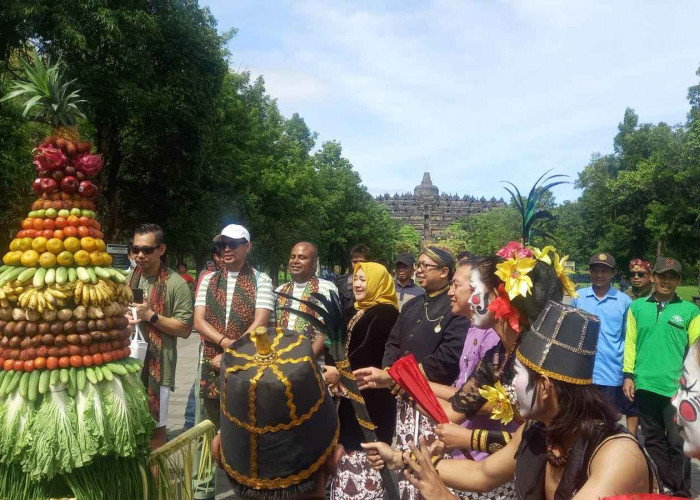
column 88, row 244
column 15, row 244
column 7, row 258
column 106, row 259
column 54, row 245
column 39, row 244
column 29, row 258
column 47, row 259
column 81, row 258
column 95, row 258
column 25, row 244
column 65, row 258
column 71, row 244
column 100, row 245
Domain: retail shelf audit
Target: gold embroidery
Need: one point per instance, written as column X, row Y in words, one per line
column 291, row 346
column 366, row 423
column 557, row 376
column 482, row 441
column 287, row 391
column 506, row 436
column 278, row 483
column 354, row 397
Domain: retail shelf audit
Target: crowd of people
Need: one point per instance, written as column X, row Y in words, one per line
column 532, row 385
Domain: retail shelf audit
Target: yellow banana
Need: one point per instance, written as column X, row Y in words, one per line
column 33, row 299
column 85, row 299
column 78, row 291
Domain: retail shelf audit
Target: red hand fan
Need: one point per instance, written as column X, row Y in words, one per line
column 410, row 378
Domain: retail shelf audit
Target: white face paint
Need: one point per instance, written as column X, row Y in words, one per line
column 687, row 403
column 481, row 316
column 527, row 400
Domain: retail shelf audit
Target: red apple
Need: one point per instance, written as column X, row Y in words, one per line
column 69, row 184
column 87, row 189
column 48, row 185
column 36, row 186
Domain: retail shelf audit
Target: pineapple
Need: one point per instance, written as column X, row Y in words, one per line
column 49, row 97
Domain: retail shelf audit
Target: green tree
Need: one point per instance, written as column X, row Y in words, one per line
column 407, row 240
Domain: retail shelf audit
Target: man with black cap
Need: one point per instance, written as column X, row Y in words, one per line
column 610, row 305
column 279, row 426
column 406, row 288
column 570, row 446
column 659, row 330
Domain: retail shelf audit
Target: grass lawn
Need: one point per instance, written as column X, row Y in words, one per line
column 687, row 291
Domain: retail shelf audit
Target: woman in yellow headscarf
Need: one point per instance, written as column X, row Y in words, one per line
column 376, row 309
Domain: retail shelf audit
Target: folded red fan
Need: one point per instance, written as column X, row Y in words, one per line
column 410, row 378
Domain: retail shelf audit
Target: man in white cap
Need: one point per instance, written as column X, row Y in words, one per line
column 230, row 302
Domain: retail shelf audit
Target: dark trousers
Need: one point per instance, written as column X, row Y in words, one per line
column 662, row 441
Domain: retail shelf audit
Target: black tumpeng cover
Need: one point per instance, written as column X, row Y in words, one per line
column 278, row 421
column 561, row 344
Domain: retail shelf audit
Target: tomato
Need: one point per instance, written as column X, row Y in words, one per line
column 21, row 234
column 70, row 231
column 72, row 220
column 49, row 224
column 40, row 363
column 52, row 362
column 107, row 357
column 127, row 352
column 30, row 233
column 38, row 224
column 18, row 365
column 87, row 360
column 97, row 359
column 83, row 231
column 84, row 221
column 60, row 222
column 58, row 234
column 99, row 235
column 29, row 366
column 8, row 365
column 47, row 233
column 64, row 361
column 76, row 361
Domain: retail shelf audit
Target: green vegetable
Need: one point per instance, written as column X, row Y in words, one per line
column 24, row 385
column 6, row 382
column 44, row 382
column 33, row 388
column 90, row 372
column 72, row 380
column 106, row 372
column 98, row 373
column 118, row 368
column 55, row 377
column 64, row 375
column 81, row 380
column 14, row 382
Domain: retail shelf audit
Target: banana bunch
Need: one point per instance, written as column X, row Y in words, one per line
column 49, row 298
column 11, row 291
column 99, row 293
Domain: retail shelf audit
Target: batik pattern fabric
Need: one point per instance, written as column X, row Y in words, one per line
column 284, row 305
column 151, row 375
column 240, row 317
column 356, row 480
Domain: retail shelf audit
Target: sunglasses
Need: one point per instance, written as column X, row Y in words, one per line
column 638, row 275
column 144, row 250
column 232, row 244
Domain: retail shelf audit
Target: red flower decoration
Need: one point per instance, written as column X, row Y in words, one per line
column 502, row 308
column 514, row 249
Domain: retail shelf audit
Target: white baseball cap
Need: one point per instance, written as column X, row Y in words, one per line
column 233, row 231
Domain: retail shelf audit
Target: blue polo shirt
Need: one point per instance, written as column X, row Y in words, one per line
column 612, row 311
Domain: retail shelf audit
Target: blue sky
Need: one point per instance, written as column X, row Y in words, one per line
column 473, row 91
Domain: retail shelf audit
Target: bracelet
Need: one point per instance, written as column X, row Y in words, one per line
column 221, row 340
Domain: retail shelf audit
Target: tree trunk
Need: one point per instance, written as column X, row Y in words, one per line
column 659, row 247
column 109, row 144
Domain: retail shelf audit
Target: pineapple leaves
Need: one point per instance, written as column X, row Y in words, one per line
column 528, row 207
column 47, row 95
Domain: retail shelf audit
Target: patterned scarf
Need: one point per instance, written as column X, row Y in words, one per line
column 151, row 375
column 240, row 318
column 282, row 310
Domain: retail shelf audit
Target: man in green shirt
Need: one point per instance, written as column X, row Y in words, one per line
column 659, row 330
column 164, row 315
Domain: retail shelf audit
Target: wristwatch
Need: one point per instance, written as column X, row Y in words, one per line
column 153, row 319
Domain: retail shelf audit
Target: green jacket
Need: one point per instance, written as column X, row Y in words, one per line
column 656, row 342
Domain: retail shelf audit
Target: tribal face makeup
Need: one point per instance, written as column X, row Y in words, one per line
column 687, row 403
column 525, row 391
column 481, row 316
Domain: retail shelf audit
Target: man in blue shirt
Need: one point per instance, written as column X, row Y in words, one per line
column 610, row 305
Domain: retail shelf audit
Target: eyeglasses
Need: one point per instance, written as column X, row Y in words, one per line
column 639, row 275
column 232, row 244
column 421, row 266
column 144, row 250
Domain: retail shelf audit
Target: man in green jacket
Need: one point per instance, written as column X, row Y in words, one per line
column 659, row 330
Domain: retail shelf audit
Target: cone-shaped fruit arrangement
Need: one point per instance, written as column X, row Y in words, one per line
column 74, row 418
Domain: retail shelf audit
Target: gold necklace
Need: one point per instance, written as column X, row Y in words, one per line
column 438, row 328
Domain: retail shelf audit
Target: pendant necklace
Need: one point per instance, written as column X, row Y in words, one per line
column 437, row 328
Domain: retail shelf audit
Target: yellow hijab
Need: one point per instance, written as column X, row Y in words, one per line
column 379, row 286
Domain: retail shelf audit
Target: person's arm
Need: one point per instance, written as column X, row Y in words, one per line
column 443, row 364
column 629, row 355
column 443, row 391
column 262, row 316
column 180, row 322
column 464, row 475
column 618, row 467
column 205, row 329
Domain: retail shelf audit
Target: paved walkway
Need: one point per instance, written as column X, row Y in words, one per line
column 188, row 351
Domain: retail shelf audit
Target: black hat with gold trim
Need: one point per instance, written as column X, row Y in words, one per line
column 279, row 424
column 561, row 344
